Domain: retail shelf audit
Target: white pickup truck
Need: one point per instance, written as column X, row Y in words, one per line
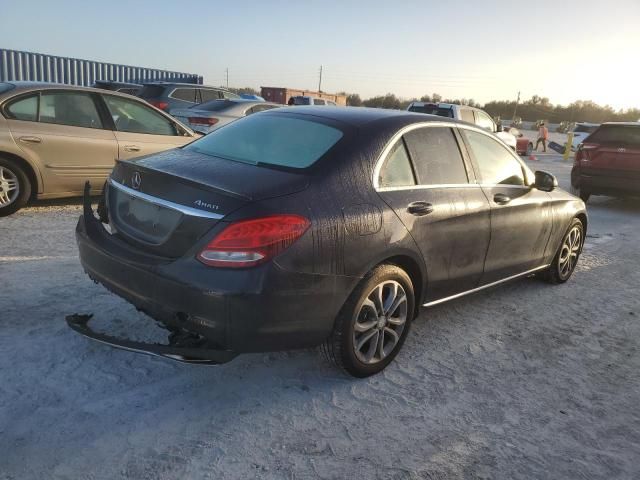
column 466, row 114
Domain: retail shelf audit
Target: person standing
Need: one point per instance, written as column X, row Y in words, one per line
column 543, row 136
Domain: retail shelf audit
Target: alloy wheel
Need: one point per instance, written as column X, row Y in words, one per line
column 380, row 322
column 570, row 251
column 9, row 187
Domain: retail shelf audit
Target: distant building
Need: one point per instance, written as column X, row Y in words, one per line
column 282, row 95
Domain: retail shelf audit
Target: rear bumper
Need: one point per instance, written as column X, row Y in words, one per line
column 599, row 182
column 260, row 309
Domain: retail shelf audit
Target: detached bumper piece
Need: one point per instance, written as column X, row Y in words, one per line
column 178, row 348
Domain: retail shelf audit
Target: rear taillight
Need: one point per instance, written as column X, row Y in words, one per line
column 582, row 153
column 250, row 242
column 203, row 121
column 159, row 104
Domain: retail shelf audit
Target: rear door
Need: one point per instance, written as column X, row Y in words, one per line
column 521, row 218
column 140, row 130
column 66, row 136
column 427, row 182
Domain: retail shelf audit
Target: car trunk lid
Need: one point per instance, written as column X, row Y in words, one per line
column 166, row 202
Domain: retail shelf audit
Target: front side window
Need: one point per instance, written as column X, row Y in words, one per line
column 396, row 170
column 484, row 121
column 25, row 108
column 135, row 117
column 496, row 163
column 186, row 94
column 436, row 156
column 76, row 109
column 270, row 140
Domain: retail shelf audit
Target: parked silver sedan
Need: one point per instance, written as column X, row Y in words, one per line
column 209, row 116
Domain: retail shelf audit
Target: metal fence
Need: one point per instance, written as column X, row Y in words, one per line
column 17, row 66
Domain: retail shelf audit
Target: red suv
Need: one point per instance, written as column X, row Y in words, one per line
column 608, row 162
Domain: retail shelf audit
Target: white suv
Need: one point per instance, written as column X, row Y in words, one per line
column 466, row 114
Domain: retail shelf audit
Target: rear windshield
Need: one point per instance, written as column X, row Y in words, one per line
column 585, row 128
column 432, row 110
column 151, row 91
column 214, row 105
column 616, row 134
column 301, row 101
column 269, row 140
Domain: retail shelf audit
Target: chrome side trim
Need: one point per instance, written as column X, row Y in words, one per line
column 489, row 285
column 192, row 212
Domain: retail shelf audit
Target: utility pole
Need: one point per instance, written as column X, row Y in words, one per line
column 516, row 107
column 320, row 81
column 227, row 73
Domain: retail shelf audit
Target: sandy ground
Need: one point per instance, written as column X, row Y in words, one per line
column 525, row 381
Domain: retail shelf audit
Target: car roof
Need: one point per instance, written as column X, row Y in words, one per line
column 625, row 124
column 182, row 84
column 22, row 87
column 358, row 116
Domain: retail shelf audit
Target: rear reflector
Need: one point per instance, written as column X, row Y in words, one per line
column 159, row 104
column 203, row 121
column 250, row 242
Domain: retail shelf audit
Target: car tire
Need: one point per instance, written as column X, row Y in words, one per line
column 566, row 258
column 15, row 188
column 578, row 192
column 369, row 333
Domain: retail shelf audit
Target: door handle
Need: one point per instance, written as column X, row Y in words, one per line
column 419, row 208
column 132, row 148
column 501, row 198
column 30, row 139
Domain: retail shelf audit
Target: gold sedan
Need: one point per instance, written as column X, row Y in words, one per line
column 55, row 137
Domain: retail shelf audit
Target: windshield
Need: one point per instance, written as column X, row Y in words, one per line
column 617, row 135
column 432, row 110
column 585, row 128
column 269, row 140
column 151, row 91
column 214, row 105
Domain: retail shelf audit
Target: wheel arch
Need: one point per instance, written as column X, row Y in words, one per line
column 415, row 272
column 36, row 186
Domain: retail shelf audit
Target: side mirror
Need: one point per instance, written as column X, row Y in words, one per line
column 545, row 181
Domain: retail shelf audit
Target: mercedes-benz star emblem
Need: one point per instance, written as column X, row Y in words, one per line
column 136, row 180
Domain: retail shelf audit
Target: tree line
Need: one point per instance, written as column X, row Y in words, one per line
column 534, row 109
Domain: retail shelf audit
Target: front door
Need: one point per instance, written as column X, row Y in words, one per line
column 140, row 130
column 521, row 217
column 425, row 181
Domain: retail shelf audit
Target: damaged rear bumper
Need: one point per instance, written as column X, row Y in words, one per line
column 194, row 354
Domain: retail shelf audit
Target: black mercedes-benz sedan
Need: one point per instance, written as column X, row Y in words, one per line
column 320, row 226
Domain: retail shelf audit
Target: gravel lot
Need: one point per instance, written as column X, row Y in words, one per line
column 524, row 381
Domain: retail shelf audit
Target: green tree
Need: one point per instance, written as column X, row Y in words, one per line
column 354, row 100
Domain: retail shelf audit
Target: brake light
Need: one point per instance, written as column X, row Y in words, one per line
column 250, row 242
column 203, row 121
column 582, row 153
column 159, row 104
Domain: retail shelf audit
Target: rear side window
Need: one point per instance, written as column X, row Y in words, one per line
column 396, row 170
column 214, row 105
column 616, row 135
column 436, row 156
column 318, row 101
column 270, row 140
column 186, row 94
column 585, row 128
column 132, row 116
column 496, row 163
column 151, row 91
column 25, row 108
column 208, row 94
column 69, row 108
column 467, row 115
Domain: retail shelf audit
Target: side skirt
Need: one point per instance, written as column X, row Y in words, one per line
column 489, row 285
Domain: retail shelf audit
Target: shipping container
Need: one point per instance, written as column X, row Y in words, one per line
column 37, row 67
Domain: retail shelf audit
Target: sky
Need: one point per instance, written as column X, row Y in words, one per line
column 565, row 50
